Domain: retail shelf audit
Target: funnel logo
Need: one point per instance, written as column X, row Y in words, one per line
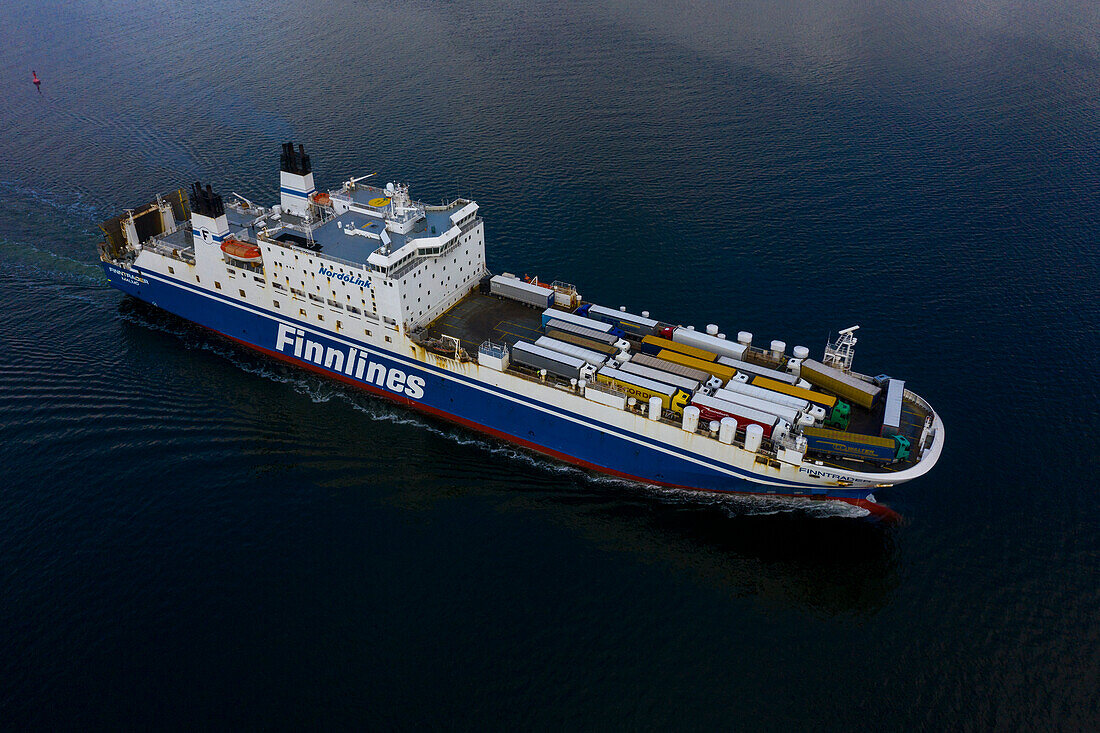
column 349, row 361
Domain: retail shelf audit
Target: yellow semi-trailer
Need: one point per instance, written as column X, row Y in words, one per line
column 672, row 398
column 724, row 373
column 817, row 398
column 843, row 385
column 654, row 345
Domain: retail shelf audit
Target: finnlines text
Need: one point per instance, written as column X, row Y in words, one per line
column 344, row 277
column 350, row 361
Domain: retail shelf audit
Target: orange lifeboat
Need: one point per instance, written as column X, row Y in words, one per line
column 238, row 250
column 321, row 199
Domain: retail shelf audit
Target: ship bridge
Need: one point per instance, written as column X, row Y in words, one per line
column 360, row 238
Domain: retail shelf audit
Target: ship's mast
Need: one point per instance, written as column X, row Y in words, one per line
column 841, row 352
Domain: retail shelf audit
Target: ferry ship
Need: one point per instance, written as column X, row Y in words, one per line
column 368, row 286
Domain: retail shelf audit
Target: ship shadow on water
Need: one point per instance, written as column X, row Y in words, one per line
column 801, row 556
column 826, row 557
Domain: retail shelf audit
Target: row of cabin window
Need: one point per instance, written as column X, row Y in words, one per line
column 420, row 313
column 351, row 308
column 302, row 294
column 321, row 318
column 301, row 311
column 331, row 303
column 421, row 285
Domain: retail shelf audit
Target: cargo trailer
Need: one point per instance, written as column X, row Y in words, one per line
column 515, row 289
column 838, row 412
column 749, row 367
column 553, row 314
column 587, row 343
column 654, row 345
column 721, row 371
column 594, row 358
column 641, row 388
column 700, row 340
column 636, row 326
column 891, row 415
column 790, row 414
column 841, row 384
column 854, row 445
column 602, row 337
column 805, row 406
column 539, row 357
column 712, row 408
column 633, row 367
column 818, row 398
column 667, row 366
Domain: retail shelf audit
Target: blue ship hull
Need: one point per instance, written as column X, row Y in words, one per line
column 518, row 419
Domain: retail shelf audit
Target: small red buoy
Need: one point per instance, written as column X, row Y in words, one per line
column 36, row 80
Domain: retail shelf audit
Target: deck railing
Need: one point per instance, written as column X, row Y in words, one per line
column 497, row 351
column 166, row 249
column 268, row 238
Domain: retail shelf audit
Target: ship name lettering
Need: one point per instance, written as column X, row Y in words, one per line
column 815, row 473
column 346, row 277
column 350, row 361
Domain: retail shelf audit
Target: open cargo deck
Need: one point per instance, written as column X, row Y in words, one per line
column 479, row 317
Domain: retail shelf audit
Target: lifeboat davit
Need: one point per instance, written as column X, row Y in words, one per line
column 238, row 250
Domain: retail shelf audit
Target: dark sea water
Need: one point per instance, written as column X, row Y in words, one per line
column 194, row 536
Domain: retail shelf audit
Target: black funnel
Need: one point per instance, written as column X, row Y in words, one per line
column 295, row 161
column 205, row 201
